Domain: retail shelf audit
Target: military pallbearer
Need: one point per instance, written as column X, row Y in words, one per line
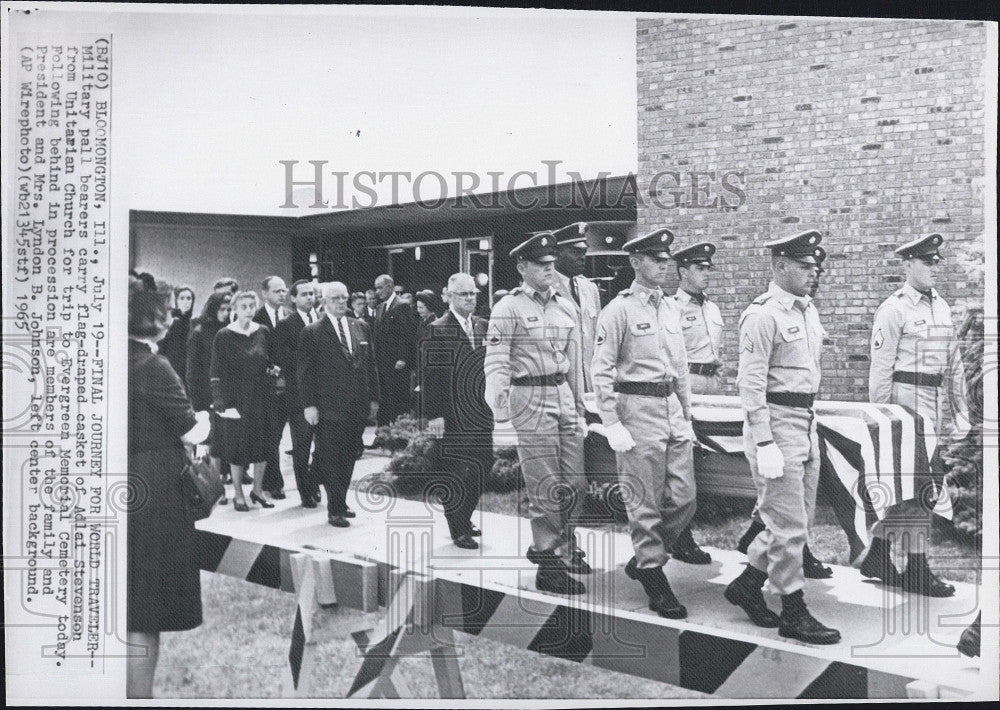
column 640, row 375
column 781, row 340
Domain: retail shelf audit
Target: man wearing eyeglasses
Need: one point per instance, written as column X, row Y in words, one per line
column 781, row 340
column 915, row 362
column 451, row 367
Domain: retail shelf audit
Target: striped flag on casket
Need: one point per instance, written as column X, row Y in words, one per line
column 872, row 456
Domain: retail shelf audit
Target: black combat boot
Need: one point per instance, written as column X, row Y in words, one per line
column 919, row 579
column 877, row 563
column 968, row 644
column 552, row 575
column 812, row 568
column 755, row 529
column 687, row 550
column 661, row 596
column 744, row 592
column 798, row 623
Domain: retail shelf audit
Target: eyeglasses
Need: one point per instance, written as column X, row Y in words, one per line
column 464, row 294
column 336, row 298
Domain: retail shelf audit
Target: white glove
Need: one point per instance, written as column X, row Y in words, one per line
column 618, row 437
column 770, row 461
column 504, row 434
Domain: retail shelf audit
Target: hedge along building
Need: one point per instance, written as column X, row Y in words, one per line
column 871, row 131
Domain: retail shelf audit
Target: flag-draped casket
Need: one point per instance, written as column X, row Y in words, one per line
column 871, row 456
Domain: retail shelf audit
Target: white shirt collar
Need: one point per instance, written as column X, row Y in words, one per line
column 459, row 318
column 786, row 299
column 913, row 294
column 388, row 301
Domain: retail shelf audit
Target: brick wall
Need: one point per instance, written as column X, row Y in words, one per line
column 870, row 131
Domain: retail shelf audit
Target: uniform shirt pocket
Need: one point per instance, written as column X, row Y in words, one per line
column 916, row 327
column 642, row 329
column 689, row 322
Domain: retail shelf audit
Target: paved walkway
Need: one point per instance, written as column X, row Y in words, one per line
column 881, row 629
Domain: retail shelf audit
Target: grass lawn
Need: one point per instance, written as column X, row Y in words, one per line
column 241, row 649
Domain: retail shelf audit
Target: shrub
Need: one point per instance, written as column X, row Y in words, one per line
column 397, row 435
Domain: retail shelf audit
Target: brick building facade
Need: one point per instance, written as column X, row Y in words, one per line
column 871, row 131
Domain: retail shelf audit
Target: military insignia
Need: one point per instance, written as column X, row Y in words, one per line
column 747, row 344
column 644, row 326
column 601, row 335
column 532, row 319
column 692, row 318
column 494, row 337
column 920, row 322
column 878, row 340
column 794, row 329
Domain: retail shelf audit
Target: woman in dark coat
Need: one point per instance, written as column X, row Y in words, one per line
column 429, row 308
column 174, row 343
column 215, row 315
column 164, row 586
column 242, row 376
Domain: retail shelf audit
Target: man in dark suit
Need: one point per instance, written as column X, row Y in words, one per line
column 338, row 389
column 273, row 290
column 452, row 360
column 394, row 333
column 303, row 295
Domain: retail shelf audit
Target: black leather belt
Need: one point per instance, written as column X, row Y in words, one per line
column 647, row 389
column 802, row 400
column 540, row 380
column 703, row 368
column 917, row 378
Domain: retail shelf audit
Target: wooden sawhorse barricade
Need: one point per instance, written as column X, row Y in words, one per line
column 422, row 612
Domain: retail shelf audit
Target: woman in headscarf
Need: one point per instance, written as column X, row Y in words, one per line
column 174, row 343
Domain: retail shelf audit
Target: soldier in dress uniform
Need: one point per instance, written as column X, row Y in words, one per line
column 534, row 381
column 812, row 567
column 571, row 262
column 639, row 355
column 781, row 339
column 915, row 362
column 701, row 323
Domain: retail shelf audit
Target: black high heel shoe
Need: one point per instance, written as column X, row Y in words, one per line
column 240, row 506
column 262, row 502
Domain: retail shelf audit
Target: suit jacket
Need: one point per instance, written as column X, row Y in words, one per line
column 395, row 334
column 286, row 347
column 341, row 386
column 261, row 317
column 452, row 375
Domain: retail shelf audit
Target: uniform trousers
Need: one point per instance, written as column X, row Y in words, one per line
column 705, row 384
column 550, row 451
column 337, row 446
column 656, row 476
column 787, row 504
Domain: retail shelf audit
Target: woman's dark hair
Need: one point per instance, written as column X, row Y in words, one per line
column 210, row 313
column 355, row 296
column 148, row 308
column 181, row 289
column 429, row 299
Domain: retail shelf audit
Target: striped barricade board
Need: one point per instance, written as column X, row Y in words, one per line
column 894, row 645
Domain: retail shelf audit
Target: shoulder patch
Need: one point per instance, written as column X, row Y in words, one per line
column 762, row 299
column 494, row 336
column 747, row 344
column 602, row 335
column 878, row 340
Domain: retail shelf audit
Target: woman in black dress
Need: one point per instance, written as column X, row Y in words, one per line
column 174, row 343
column 164, row 584
column 242, row 376
column 215, row 315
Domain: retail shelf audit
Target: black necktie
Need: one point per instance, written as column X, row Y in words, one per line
column 929, row 294
column 343, row 336
column 699, row 297
column 572, row 290
column 309, row 315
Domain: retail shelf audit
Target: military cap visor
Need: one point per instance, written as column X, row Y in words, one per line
column 801, row 247
column 924, row 248
column 697, row 253
column 572, row 235
column 539, row 248
column 655, row 243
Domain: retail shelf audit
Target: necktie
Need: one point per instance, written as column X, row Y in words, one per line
column 929, row 294
column 699, row 298
column 467, row 327
column 309, row 315
column 342, row 335
column 572, row 290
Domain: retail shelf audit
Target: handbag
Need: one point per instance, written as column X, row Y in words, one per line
column 201, row 486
